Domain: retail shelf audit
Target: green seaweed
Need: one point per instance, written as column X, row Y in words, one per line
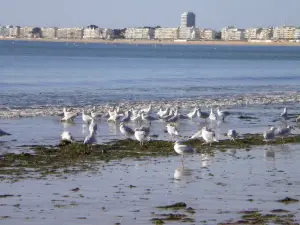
column 178, row 205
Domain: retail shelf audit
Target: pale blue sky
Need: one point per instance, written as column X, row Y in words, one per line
column 130, row 13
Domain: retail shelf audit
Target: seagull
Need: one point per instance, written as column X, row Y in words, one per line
column 147, row 117
column 141, row 136
column 93, row 127
column 114, row 116
column 283, row 132
column 182, row 149
column 68, row 116
column 86, row 118
column 162, row 113
column 90, row 139
column 126, row 130
column 298, row 119
column 269, row 135
column 192, row 114
column 95, row 114
column 174, row 118
column 147, row 110
column 232, row 134
column 126, row 118
column 222, row 114
column 66, row 136
column 144, row 128
column 3, row 133
column 172, row 130
column 212, row 115
column 284, row 114
column 197, row 135
column 202, row 115
column 208, row 135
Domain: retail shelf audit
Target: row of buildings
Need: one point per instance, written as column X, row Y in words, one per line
column 271, row 33
column 186, row 31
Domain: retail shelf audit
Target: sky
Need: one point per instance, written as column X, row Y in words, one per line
column 213, row 14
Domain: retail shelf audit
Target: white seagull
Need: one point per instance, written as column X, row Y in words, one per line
column 85, row 117
column 222, row 114
column 126, row 130
column 141, row 136
column 197, row 135
column 93, row 127
column 208, row 136
column 3, row 133
column 192, row 114
column 283, row 132
column 147, row 110
column 298, row 119
column 172, row 130
column 284, row 114
column 66, row 136
column 232, row 134
column 182, row 149
column 269, row 135
column 212, row 115
column 68, row 116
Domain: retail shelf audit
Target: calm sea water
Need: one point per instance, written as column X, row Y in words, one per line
column 37, row 74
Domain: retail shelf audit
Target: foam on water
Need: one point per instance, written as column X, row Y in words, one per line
column 184, row 104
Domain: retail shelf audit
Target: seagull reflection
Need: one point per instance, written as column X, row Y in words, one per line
column 206, row 160
column 67, row 124
column 113, row 128
column 85, row 128
column 269, row 154
column 182, row 172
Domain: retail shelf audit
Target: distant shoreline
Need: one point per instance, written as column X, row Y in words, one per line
column 160, row 42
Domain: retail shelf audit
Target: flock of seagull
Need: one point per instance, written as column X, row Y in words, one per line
column 170, row 115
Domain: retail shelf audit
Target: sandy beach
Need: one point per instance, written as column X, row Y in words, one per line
column 162, row 42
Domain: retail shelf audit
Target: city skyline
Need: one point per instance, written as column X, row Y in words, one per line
column 214, row 14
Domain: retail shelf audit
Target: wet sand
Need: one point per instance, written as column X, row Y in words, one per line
column 157, row 42
column 127, row 192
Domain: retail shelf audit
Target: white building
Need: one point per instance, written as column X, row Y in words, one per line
column 252, row 33
column 208, row 34
column 297, row 33
column 233, row 34
column 107, row 33
column 189, row 33
column 49, row 32
column 265, row 34
column 69, row 33
column 167, row 33
column 14, row 31
column 26, row 32
column 92, row 33
column 284, row 33
column 140, row 33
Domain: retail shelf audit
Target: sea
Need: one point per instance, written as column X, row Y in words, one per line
column 38, row 79
column 253, row 83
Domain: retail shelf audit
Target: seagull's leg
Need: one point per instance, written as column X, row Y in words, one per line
column 182, row 162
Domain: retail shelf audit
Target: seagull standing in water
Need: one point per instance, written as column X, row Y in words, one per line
column 86, row 118
column 66, row 136
column 212, row 115
column 284, row 114
column 192, row 114
column 222, row 114
column 3, row 133
column 283, row 132
column 126, row 130
column 298, row 119
column 182, row 149
column 232, row 134
column 141, row 136
column 68, row 116
column 208, row 136
column 93, row 127
column 172, row 130
column 269, row 135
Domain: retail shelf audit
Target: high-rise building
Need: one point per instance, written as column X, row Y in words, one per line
column 188, row 19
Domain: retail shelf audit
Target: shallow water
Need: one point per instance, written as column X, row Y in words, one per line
column 216, row 187
column 46, row 130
